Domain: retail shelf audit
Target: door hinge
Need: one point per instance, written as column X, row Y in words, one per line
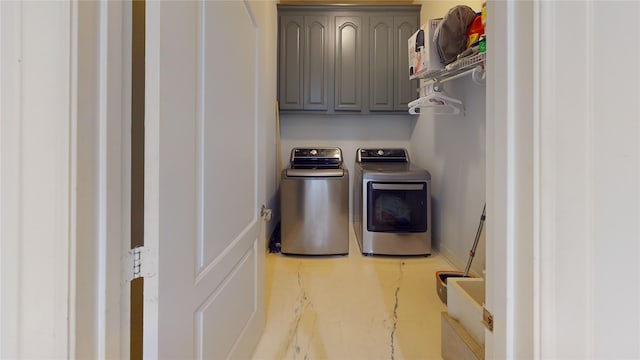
column 139, row 263
column 487, row 319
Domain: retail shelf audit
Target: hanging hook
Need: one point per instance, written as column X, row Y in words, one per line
column 479, row 75
column 436, row 86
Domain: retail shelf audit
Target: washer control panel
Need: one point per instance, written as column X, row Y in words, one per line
column 382, row 155
column 316, row 156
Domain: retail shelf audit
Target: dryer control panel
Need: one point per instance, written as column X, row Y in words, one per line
column 382, row 155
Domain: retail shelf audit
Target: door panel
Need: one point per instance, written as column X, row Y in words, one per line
column 315, row 62
column 226, row 145
column 217, row 322
column 381, row 63
column 348, row 63
column 291, row 62
column 405, row 89
column 201, row 181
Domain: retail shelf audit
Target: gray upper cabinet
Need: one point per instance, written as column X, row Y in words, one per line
column 381, row 63
column 316, row 62
column 291, row 63
column 389, row 86
column 345, row 59
column 348, row 63
column 404, row 89
column 303, row 67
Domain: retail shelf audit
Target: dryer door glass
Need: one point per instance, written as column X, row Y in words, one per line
column 397, row 206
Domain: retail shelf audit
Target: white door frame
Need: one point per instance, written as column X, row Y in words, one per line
column 64, row 179
column 101, row 92
column 512, row 236
column 563, row 180
column 37, row 172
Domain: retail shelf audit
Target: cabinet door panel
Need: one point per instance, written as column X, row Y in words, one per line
column 291, row 62
column 316, row 63
column 381, row 66
column 348, row 63
column 404, row 89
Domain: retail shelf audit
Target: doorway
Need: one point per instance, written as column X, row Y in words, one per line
column 137, row 168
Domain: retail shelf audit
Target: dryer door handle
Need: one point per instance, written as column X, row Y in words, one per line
column 397, row 186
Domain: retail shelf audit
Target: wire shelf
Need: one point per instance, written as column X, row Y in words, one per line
column 435, row 98
column 457, row 68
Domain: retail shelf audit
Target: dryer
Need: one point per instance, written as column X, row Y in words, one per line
column 391, row 203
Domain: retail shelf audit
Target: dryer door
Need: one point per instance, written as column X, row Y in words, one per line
column 397, row 206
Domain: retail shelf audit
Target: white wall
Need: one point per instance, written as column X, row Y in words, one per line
column 452, row 148
column 433, row 9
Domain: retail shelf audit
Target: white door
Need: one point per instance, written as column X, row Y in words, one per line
column 204, row 293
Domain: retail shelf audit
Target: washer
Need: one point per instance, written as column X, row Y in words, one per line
column 314, row 198
column 391, row 203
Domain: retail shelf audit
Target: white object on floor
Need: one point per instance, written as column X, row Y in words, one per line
column 465, row 297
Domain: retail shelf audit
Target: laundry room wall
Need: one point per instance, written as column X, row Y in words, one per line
column 452, row 148
column 433, row 9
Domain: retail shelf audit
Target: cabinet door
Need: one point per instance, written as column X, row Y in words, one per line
column 291, row 62
column 316, row 62
column 348, row 63
column 405, row 90
column 381, row 67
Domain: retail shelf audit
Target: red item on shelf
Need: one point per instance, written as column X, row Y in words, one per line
column 476, row 29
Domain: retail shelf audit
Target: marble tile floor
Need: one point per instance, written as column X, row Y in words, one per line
column 351, row 307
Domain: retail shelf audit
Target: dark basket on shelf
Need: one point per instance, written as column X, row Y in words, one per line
column 441, row 282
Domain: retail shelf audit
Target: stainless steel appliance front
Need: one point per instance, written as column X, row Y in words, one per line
column 391, row 204
column 314, row 201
